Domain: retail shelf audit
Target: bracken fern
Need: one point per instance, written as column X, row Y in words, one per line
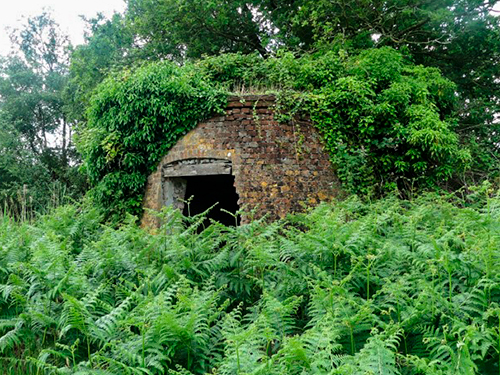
column 386, row 287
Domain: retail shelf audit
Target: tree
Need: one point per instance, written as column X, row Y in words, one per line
column 32, row 80
column 179, row 29
column 108, row 47
column 460, row 37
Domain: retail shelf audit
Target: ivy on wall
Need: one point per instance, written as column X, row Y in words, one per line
column 387, row 124
column 134, row 118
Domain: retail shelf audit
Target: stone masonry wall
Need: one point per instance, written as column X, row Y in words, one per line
column 278, row 168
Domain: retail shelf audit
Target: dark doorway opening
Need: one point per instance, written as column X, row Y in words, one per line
column 205, row 191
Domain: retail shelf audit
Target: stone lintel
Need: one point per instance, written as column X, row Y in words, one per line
column 201, row 167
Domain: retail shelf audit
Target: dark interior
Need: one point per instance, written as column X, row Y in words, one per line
column 209, row 190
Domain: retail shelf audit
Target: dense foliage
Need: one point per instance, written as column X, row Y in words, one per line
column 387, row 123
column 133, row 120
column 392, row 287
column 461, row 38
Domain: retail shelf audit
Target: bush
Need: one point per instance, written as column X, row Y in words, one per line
column 133, row 119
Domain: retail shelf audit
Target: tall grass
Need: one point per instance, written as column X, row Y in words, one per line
column 24, row 203
column 391, row 287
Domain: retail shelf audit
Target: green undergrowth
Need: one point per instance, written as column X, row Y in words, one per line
column 389, row 287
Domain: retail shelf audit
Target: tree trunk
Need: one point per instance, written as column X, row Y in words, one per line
column 64, row 143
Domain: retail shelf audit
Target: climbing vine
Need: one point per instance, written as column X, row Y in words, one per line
column 133, row 120
column 389, row 125
column 386, row 123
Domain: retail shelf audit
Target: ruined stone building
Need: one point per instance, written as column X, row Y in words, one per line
column 243, row 159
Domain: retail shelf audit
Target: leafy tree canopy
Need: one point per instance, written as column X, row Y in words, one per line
column 108, row 48
column 36, row 135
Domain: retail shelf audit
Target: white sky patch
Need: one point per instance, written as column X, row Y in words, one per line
column 65, row 12
column 496, row 9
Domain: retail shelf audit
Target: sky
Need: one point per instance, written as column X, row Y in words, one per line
column 65, row 12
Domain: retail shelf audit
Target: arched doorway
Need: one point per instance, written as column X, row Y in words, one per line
column 195, row 185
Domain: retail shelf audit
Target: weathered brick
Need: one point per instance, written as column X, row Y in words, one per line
column 270, row 172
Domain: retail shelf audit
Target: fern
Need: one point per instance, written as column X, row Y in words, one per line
column 377, row 357
column 390, row 286
column 10, row 339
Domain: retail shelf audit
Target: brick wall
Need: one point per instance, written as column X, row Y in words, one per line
column 278, row 168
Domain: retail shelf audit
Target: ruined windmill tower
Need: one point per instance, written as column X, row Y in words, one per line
column 244, row 158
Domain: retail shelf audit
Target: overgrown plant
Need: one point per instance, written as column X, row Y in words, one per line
column 391, row 287
column 133, row 119
column 386, row 123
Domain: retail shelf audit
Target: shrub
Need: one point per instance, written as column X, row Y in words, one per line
column 133, row 119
